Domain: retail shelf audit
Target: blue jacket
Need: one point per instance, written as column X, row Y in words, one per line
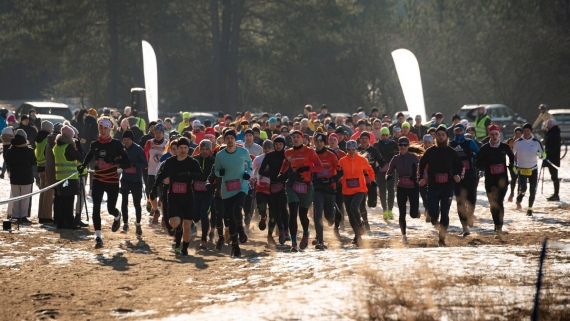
column 138, row 159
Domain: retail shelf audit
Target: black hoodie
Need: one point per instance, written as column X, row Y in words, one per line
column 552, row 145
column 274, row 160
column 20, row 158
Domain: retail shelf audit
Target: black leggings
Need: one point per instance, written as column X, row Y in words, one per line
column 339, row 202
column 522, row 187
column 352, row 208
column 64, row 207
column 217, row 215
column 466, row 196
column 413, row 195
column 136, row 190
column 278, row 212
column 112, row 190
column 496, row 190
column 233, row 207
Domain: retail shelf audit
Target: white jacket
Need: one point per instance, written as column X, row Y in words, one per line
column 527, row 152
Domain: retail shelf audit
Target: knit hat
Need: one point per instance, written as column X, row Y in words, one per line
column 273, row 120
column 209, row 132
column 11, row 118
column 185, row 115
column 159, row 127
column 351, row 143
column 268, row 144
column 441, row 128
column 21, row 132
column 320, row 136
column 47, row 126
column 92, row 111
column 428, row 138
column 183, row 141
column 230, row 132
column 67, row 132
column 397, row 129
column 285, row 129
column 494, row 128
column 527, row 126
column 298, row 132
column 365, row 134
column 263, row 135
column 207, row 143
column 248, row 131
column 128, row 134
column 57, row 127
column 405, row 124
column 196, row 123
column 340, row 130
column 23, row 117
column 361, row 122
column 459, row 126
column 9, row 130
column 518, row 129
column 279, row 139
column 385, row 131
column 334, row 136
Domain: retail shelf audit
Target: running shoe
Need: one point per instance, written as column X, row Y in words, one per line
column 304, row 240
column 125, row 229
column 177, row 250
column 441, row 243
column 553, row 198
column 465, row 232
column 236, row 251
column 320, row 246
column 499, row 235
column 194, row 229
column 116, row 225
column 281, row 237
column 385, row 215
column 98, row 243
column 203, row 245
column 390, row 215
column 220, row 244
column 287, row 236
column 271, row 240
column 138, row 230
column 262, row 225
column 184, row 252
column 242, row 236
column 294, row 248
column 529, row 212
column 155, row 216
column 404, row 239
column 315, row 242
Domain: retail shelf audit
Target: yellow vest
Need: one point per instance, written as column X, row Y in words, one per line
column 63, row 167
column 40, row 152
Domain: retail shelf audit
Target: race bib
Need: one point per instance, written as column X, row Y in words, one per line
column 300, row 188
column 323, row 174
column 466, row 164
column 262, row 187
column 441, row 178
column 276, row 188
column 130, row 170
column 497, row 169
column 353, row 183
column 406, row 181
column 101, row 164
column 525, row 171
column 233, row 185
column 384, row 168
column 200, row 186
column 179, row 188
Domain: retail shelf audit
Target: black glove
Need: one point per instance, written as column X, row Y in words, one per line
column 544, row 163
column 184, row 176
column 388, row 177
column 210, row 187
column 222, row 172
column 373, row 184
column 152, row 194
column 80, row 168
column 246, row 176
column 303, row 169
column 280, row 177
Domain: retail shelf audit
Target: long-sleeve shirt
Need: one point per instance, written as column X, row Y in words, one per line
column 298, row 157
column 466, row 150
column 406, row 165
column 527, row 151
column 329, row 160
column 271, row 164
column 494, row 161
column 388, row 149
column 133, row 174
column 179, row 190
column 235, row 164
column 444, row 164
column 353, row 168
column 373, row 156
column 108, row 155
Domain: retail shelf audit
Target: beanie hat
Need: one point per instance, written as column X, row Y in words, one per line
column 361, row 122
column 527, row 126
column 340, row 130
column 128, row 134
column 428, row 138
column 279, row 139
column 196, row 123
column 441, row 128
column 351, row 143
column 248, row 131
column 273, row 120
column 397, row 129
column 320, row 136
column 403, row 140
column 9, row 130
column 494, row 128
column 75, row 131
column 518, row 129
column 209, row 131
column 263, row 135
column 183, row 141
column 92, row 111
column 127, row 109
column 459, row 126
column 47, row 126
column 11, row 118
column 384, row 131
column 268, row 144
column 67, row 132
column 21, row 132
column 57, row 127
column 159, row 127
column 405, row 124
column 298, row 132
column 185, row 115
column 334, row 135
column 23, row 117
column 230, row 132
column 365, row 134
column 206, row 142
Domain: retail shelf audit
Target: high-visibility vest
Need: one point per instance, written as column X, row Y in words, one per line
column 63, row 167
column 40, row 152
column 480, row 129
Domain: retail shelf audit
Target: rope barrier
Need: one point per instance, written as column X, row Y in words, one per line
column 10, row 200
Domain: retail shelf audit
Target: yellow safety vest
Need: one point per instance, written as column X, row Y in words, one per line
column 63, row 167
column 40, row 152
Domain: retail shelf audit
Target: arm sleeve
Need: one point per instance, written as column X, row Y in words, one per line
column 141, row 161
column 161, row 175
column 316, row 161
column 392, row 166
column 284, row 167
column 473, row 146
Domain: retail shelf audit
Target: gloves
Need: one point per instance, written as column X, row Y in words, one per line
column 544, row 163
column 153, row 194
column 184, row 176
column 222, row 172
column 303, row 169
column 388, row 177
column 515, row 170
column 246, row 176
column 373, row 184
column 541, row 154
column 80, row 168
column 210, row 187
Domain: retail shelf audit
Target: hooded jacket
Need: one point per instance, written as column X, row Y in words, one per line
column 90, row 131
column 353, row 168
column 552, row 145
column 20, row 159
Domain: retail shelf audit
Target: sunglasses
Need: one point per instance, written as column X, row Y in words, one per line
column 404, row 145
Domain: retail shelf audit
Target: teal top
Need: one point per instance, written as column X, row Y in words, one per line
column 235, row 165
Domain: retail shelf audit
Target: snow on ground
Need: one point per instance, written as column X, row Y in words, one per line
column 338, row 283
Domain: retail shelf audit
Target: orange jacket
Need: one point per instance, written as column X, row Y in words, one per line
column 353, row 180
column 412, row 137
column 297, row 158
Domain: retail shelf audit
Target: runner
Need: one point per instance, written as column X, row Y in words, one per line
column 325, row 190
column 492, row 158
column 427, row 143
column 131, row 181
column 376, row 162
column 154, row 148
column 108, row 154
column 388, row 149
column 444, row 164
column 270, row 167
column 179, row 170
column 354, row 187
column 514, row 176
column 299, row 164
column 406, row 164
column 466, row 190
column 203, row 197
column 339, row 198
column 526, row 150
column 233, row 165
column 262, row 189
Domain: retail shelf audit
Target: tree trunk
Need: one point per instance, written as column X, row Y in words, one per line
column 217, row 59
column 224, row 49
column 113, row 57
column 233, row 59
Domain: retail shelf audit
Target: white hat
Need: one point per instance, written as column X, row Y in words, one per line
column 196, row 123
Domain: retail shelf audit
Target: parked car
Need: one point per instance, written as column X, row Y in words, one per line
column 501, row 115
column 562, row 117
column 44, row 108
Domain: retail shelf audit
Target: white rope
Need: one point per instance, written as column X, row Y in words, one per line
column 10, row 200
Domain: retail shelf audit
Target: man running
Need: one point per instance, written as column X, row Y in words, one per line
column 388, row 149
column 263, row 189
column 203, row 197
column 299, row 164
column 108, row 154
column 465, row 190
column 526, row 150
column 354, row 187
column 154, row 149
column 492, row 158
column 180, row 171
column 376, row 162
column 444, row 169
column 233, row 165
column 514, row 176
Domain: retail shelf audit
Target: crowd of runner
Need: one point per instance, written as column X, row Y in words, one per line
column 309, row 167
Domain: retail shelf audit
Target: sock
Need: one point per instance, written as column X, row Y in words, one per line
column 98, row 234
column 178, row 236
column 185, row 246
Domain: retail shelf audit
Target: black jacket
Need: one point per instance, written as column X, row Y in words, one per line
column 387, row 150
column 207, row 164
column 374, row 158
column 20, row 158
column 552, row 145
column 441, row 160
column 90, row 131
column 274, row 160
column 31, row 131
